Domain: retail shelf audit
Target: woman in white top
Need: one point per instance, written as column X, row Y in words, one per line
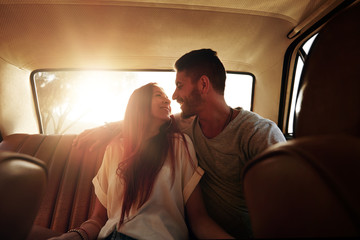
column 148, row 180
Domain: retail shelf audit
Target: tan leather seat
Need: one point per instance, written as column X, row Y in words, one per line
column 69, row 197
column 309, row 186
column 22, row 186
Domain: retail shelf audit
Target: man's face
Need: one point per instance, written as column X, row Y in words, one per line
column 187, row 95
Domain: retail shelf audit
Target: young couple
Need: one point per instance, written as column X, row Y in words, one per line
column 150, row 186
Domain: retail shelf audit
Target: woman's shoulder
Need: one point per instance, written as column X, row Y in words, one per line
column 181, row 137
column 183, row 142
column 116, row 142
column 116, row 145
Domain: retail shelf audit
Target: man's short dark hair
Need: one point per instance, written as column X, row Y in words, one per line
column 203, row 62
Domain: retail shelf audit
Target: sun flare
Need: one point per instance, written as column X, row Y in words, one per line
column 92, row 98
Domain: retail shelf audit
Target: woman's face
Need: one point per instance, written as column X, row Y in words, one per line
column 160, row 105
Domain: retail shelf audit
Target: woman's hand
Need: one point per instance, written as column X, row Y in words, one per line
column 89, row 230
column 67, row 236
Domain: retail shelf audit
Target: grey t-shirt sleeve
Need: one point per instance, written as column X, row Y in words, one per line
column 265, row 134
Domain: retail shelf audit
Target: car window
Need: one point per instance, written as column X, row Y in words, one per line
column 72, row 101
column 300, row 60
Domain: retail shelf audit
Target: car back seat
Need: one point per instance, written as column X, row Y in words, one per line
column 69, row 196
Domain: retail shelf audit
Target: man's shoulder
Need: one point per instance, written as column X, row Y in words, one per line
column 246, row 117
column 183, row 123
column 253, row 122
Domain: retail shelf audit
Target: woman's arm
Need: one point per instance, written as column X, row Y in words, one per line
column 200, row 222
column 89, row 230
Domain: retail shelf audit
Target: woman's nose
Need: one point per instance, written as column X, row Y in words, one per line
column 166, row 100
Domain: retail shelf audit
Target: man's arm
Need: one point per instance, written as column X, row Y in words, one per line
column 265, row 135
column 201, row 224
column 98, row 137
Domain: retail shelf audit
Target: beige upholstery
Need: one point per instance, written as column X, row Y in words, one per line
column 22, row 186
column 69, row 196
column 309, row 186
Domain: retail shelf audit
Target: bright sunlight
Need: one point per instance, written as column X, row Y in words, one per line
column 72, row 101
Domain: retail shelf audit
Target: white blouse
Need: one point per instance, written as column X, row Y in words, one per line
column 162, row 216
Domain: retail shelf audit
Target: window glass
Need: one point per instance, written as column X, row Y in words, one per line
column 299, row 67
column 296, row 81
column 308, row 44
column 72, row 101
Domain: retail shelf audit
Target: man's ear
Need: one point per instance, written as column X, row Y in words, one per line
column 204, row 84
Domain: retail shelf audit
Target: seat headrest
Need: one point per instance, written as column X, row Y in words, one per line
column 330, row 95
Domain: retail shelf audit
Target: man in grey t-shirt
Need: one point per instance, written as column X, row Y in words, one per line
column 224, row 138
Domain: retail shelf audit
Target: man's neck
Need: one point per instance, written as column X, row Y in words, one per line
column 213, row 120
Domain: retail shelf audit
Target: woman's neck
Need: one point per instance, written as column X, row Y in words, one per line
column 153, row 130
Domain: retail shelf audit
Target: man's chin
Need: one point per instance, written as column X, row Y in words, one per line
column 185, row 115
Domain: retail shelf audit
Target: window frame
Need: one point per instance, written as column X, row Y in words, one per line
column 36, row 100
column 288, row 86
column 289, row 66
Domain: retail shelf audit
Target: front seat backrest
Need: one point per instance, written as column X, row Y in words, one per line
column 308, row 187
column 329, row 98
column 22, row 186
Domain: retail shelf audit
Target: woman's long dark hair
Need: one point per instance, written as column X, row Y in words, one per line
column 143, row 158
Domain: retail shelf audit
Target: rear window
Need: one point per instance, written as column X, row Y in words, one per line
column 68, row 102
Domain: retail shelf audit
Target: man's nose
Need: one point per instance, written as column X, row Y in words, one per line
column 174, row 96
